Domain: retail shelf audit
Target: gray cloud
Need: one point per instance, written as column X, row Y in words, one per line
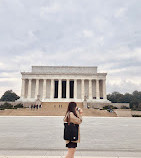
column 101, row 33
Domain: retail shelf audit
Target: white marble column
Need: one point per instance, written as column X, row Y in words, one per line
column 44, row 88
column 97, row 89
column 29, row 88
column 82, row 89
column 90, row 89
column 59, row 89
column 67, row 89
column 52, row 89
column 37, row 88
column 75, row 88
column 23, row 89
column 104, row 89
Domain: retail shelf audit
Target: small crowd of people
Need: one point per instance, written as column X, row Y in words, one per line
column 36, row 106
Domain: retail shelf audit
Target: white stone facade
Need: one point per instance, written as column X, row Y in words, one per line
column 63, row 84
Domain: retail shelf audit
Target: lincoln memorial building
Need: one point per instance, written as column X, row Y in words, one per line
column 63, row 84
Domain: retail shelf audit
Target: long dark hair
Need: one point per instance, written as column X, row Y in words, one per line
column 71, row 108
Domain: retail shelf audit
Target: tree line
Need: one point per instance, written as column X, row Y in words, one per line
column 134, row 99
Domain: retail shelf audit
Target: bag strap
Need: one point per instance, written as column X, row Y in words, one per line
column 69, row 118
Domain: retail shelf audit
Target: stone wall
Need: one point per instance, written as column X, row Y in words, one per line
column 136, row 112
column 119, row 105
column 97, row 105
column 101, row 105
column 123, row 112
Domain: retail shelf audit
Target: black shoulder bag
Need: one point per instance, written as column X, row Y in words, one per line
column 70, row 131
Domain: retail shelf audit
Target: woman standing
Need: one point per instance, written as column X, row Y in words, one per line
column 74, row 115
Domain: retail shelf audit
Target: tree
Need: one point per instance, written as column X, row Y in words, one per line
column 134, row 99
column 115, row 97
column 137, row 96
column 128, row 98
column 9, row 96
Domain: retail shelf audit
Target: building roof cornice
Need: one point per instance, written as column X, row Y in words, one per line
column 41, row 73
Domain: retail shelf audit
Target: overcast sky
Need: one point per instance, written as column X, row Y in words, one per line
column 103, row 33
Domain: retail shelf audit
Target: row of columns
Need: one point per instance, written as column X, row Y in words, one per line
column 67, row 88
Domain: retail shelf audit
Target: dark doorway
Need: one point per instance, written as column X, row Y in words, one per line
column 56, row 90
column 71, row 89
column 63, row 89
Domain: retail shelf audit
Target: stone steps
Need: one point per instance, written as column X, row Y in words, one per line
column 53, row 112
column 53, row 109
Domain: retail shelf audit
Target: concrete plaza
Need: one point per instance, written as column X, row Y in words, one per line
column 57, row 157
column 43, row 136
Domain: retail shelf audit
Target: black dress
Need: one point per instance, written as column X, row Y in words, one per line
column 71, row 145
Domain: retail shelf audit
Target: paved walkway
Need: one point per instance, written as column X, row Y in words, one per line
column 58, row 157
column 62, row 153
column 43, row 137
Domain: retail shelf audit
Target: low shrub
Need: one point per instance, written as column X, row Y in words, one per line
column 6, row 106
column 109, row 107
column 10, row 106
column 124, row 107
column 18, row 106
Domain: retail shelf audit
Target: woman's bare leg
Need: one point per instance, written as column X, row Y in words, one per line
column 70, row 153
column 74, row 149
